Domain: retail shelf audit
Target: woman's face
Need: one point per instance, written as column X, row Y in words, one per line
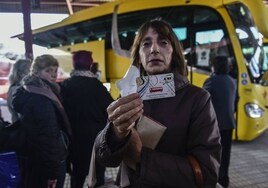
column 49, row 73
column 155, row 53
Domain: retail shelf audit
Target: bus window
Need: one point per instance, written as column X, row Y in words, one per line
column 264, row 68
column 211, row 43
column 126, row 39
column 209, row 36
column 206, row 44
column 107, row 39
column 265, row 48
column 249, row 39
column 204, row 15
column 181, row 32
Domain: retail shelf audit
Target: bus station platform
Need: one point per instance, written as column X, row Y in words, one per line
column 248, row 166
column 249, row 163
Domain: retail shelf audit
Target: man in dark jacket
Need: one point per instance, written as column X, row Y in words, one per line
column 223, row 90
column 85, row 100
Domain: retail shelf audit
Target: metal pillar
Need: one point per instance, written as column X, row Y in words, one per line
column 69, row 5
column 28, row 41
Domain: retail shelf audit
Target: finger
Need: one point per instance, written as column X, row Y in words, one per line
column 123, row 100
column 125, row 124
column 122, row 130
column 127, row 116
column 129, row 108
column 125, row 108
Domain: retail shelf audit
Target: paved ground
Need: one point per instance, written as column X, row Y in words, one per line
column 249, row 163
column 248, row 168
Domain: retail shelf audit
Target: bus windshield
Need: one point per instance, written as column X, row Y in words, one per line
column 250, row 40
column 265, row 47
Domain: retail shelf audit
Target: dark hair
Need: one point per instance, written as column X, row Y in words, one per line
column 94, row 67
column 20, row 69
column 165, row 30
column 220, row 65
column 82, row 60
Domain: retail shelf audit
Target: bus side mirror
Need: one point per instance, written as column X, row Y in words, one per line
column 115, row 36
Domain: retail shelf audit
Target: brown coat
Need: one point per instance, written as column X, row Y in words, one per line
column 191, row 129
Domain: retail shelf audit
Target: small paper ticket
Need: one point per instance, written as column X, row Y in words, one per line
column 156, row 86
column 127, row 85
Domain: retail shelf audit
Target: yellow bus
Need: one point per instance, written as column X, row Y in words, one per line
column 207, row 28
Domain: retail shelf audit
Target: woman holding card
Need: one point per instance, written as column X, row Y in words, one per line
column 187, row 153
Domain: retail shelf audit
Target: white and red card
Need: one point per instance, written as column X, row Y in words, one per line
column 156, row 86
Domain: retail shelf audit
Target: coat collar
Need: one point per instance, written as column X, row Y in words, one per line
column 180, row 81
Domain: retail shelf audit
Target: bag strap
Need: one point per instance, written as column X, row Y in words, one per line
column 199, row 180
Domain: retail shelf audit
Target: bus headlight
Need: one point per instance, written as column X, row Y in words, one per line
column 253, row 110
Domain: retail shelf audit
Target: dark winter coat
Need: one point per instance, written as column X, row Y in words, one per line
column 85, row 100
column 191, row 129
column 43, row 123
column 13, row 113
column 223, row 91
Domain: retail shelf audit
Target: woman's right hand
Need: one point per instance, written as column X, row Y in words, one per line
column 124, row 112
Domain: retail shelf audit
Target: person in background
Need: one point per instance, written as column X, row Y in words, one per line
column 20, row 69
column 223, row 91
column 46, row 125
column 188, row 153
column 85, row 99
